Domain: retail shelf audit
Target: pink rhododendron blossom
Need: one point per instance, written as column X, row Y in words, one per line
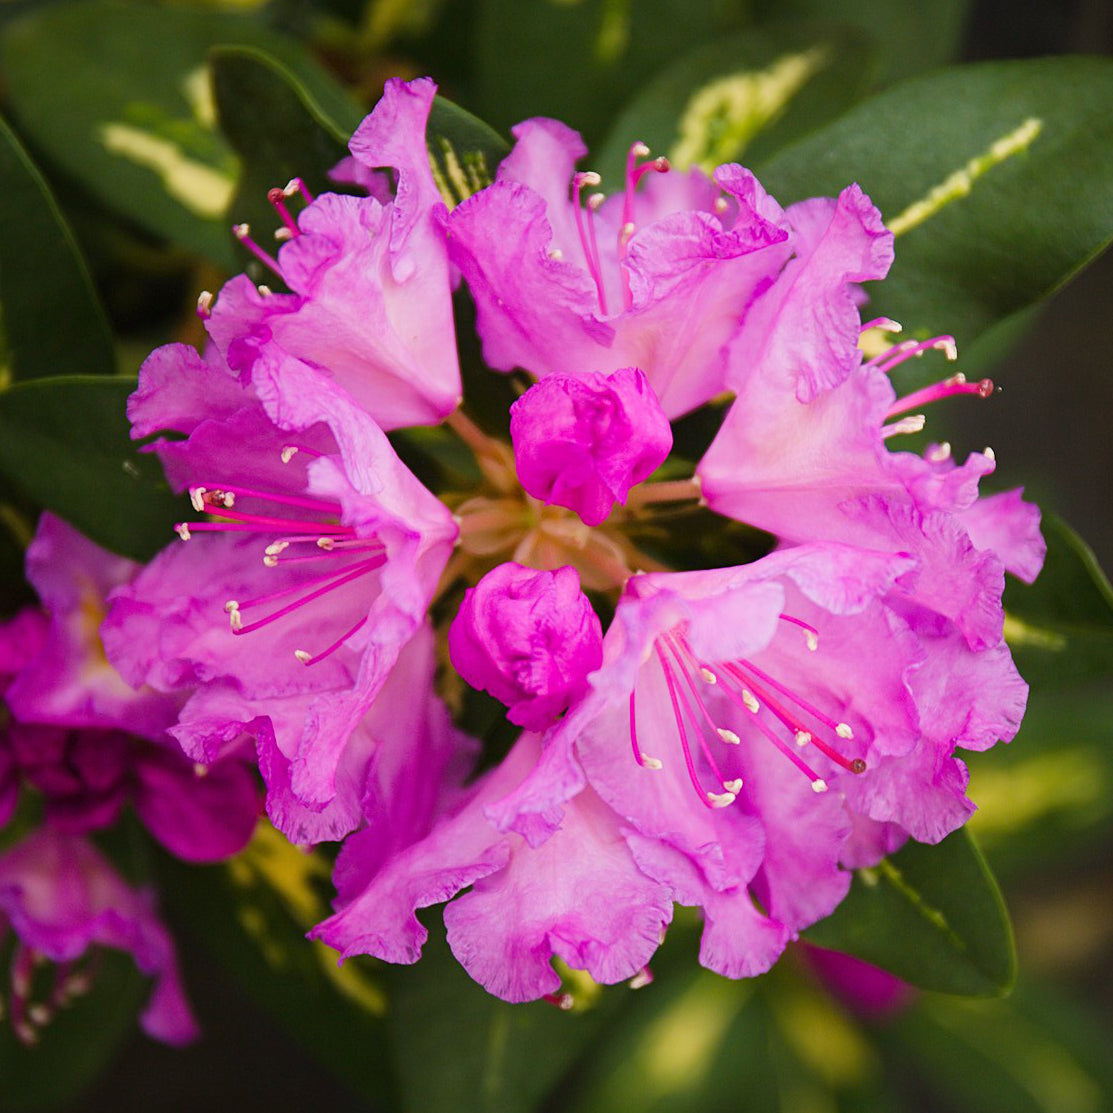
column 319, row 546
column 63, row 900
column 657, row 278
column 87, row 742
column 529, row 638
column 370, row 309
column 742, row 718
column 583, row 441
column 580, row 896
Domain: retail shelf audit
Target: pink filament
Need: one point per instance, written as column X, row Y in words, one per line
column 956, row 384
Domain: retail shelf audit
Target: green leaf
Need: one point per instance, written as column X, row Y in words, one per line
column 117, row 95
column 65, row 445
column 296, row 137
column 464, row 152
column 251, row 913
column 51, row 322
column 1060, row 628
column 457, row 1047
column 752, row 92
column 1047, row 797
column 998, row 178
column 579, row 61
column 77, row 1044
column 914, row 37
column 932, row 915
column 1037, row 1052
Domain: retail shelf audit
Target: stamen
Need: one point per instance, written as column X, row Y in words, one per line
column 288, row 452
column 205, row 304
column 956, row 384
column 910, row 349
column 707, row 674
column 182, row 530
column 940, row 452
column 277, row 198
column 914, row 423
column 643, row 760
column 587, row 238
column 721, row 799
column 562, row 1001
column 224, row 496
column 811, row 634
column 304, row 657
column 728, row 736
column 242, row 232
column 641, row 979
column 296, row 185
column 885, row 324
column 556, row 254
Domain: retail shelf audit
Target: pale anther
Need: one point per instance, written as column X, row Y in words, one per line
column 728, row 736
column 819, row 785
column 595, row 200
column 182, row 530
column 302, row 656
column 639, row 150
column 326, row 543
column 241, row 231
column 812, row 640
column 556, row 254
column 265, row 290
column 288, row 453
column 750, row 700
column 283, row 233
column 276, row 547
column 989, row 454
column 947, row 345
column 721, row 205
column 652, row 762
column 197, row 497
column 734, row 786
column 843, row 730
column 200, row 770
column 708, row 675
column 803, row 737
column 721, row 799
column 940, row 452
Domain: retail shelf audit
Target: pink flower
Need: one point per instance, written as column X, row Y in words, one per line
column 370, row 312
column 87, row 742
column 657, row 279
column 63, row 900
column 580, row 896
column 312, row 569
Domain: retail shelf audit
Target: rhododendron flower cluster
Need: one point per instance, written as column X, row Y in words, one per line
column 733, row 726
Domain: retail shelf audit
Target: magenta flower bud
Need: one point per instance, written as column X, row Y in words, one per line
column 583, row 441
column 529, row 638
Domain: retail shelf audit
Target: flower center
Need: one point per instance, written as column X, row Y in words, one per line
column 306, row 541
column 781, row 715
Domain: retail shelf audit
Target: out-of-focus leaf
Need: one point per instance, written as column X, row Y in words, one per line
column 747, row 95
column 251, row 914
column 64, row 445
column 1034, row 1053
column 579, row 61
column 998, row 179
column 118, row 96
column 456, row 1047
column 932, row 915
column 77, row 1044
column 914, row 37
column 50, row 319
column 1060, row 628
column 1048, row 795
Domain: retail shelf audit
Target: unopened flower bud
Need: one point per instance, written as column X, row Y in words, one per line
column 582, row 441
column 528, row 638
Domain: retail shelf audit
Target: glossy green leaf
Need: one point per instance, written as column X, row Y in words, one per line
column 464, row 152
column 296, row 137
column 741, row 98
column 118, row 96
column 997, row 177
column 251, row 914
column 50, row 319
column 77, row 1044
column 1060, row 628
column 932, row 915
column 579, row 62
column 65, row 445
